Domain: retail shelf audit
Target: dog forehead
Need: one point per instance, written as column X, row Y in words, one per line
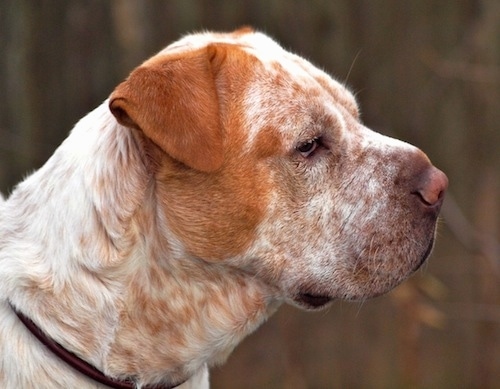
column 294, row 97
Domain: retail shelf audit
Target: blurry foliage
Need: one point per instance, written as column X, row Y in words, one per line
column 424, row 71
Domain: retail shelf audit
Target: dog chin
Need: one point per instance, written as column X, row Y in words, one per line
column 425, row 255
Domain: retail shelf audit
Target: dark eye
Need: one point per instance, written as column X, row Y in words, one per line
column 307, row 148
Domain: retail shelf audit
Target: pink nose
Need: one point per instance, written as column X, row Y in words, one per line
column 432, row 187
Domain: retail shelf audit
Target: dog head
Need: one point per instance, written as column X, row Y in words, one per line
column 261, row 163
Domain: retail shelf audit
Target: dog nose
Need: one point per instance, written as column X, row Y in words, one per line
column 432, row 187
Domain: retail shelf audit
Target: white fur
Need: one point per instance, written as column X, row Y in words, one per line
column 91, row 253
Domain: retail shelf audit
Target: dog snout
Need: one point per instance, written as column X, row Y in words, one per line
column 431, row 186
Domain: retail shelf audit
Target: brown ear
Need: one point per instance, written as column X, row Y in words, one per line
column 173, row 100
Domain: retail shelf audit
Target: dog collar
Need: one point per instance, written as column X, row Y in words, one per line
column 77, row 363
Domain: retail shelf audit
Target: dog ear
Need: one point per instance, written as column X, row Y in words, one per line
column 173, row 99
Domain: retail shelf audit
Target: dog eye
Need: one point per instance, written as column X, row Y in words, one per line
column 308, row 148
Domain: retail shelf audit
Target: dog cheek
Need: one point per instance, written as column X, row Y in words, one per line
column 214, row 216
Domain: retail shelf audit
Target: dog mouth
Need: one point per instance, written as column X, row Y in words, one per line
column 312, row 301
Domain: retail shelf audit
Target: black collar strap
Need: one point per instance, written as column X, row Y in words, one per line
column 77, row 363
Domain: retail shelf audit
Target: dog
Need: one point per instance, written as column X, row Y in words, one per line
column 224, row 177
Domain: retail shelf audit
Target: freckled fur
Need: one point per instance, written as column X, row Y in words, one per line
column 178, row 215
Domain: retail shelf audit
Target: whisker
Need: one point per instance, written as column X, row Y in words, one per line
column 352, row 66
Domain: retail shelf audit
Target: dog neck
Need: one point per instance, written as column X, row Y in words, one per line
column 185, row 318
column 78, row 364
column 128, row 305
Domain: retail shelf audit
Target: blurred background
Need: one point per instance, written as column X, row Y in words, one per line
column 425, row 71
